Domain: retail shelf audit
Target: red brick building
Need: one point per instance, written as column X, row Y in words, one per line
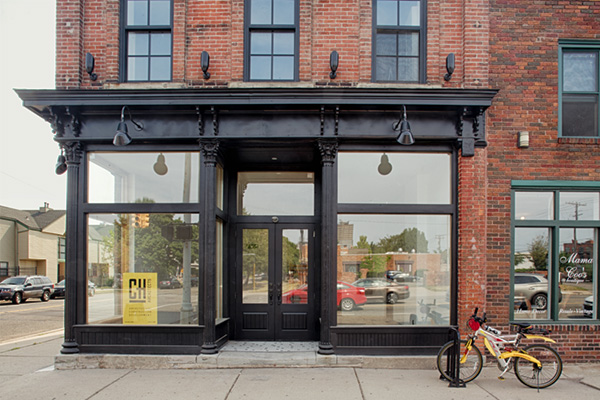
column 455, row 131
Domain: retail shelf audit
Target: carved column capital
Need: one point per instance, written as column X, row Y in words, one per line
column 328, row 149
column 210, row 149
column 73, row 152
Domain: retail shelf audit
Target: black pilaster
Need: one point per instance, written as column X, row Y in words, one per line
column 73, row 156
column 208, row 189
column 328, row 149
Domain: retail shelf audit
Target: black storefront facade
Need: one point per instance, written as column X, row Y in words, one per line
column 243, row 214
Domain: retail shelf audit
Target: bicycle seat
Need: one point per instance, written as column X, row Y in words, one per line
column 528, row 328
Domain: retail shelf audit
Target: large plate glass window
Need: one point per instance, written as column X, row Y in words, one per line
column 555, row 252
column 398, row 40
column 148, row 34
column 395, row 238
column 146, row 268
column 271, row 40
column 579, row 89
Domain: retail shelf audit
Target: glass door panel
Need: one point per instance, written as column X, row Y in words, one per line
column 255, row 269
column 294, row 266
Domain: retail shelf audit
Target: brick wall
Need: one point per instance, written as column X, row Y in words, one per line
column 217, row 26
column 524, row 67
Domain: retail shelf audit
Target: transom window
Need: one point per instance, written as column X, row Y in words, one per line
column 579, row 89
column 271, row 40
column 398, row 41
column 148, row 35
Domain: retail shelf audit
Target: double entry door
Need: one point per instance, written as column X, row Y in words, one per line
column 275, row 282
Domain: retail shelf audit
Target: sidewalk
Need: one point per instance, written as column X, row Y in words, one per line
column 27, row 371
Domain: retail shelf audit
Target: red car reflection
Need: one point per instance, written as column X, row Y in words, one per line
column 348, row 296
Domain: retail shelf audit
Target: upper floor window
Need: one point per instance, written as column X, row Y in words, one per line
column 579, row 89
column 271, row 40
column 399, row 41
column 148, row 53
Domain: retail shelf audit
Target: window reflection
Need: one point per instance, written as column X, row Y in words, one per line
column 578, row 206
column 576, row 266
column 145, row 268
column 534, row 205
column 420, row 178
column 399, row 263
column 275, row 193
column 531, row 286
column 133, row 178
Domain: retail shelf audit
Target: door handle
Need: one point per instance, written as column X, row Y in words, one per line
column 270, row 293
column 279, row 294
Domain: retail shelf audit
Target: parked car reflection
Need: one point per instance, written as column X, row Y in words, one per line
column 348, row 296
column 533, row 289
column 172, row 283
column 59, row 289
column 379, row 289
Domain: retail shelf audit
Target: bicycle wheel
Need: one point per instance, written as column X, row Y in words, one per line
column 470, row 366
column 533, row 376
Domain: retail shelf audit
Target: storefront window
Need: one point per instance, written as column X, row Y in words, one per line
column 531, row 286
column 149, row 177
column 555, row 264
column 146, row 268
column 394, row 178
column 393, row 269
column 576, row 266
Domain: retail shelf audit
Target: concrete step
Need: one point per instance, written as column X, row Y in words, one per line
column 244, row 355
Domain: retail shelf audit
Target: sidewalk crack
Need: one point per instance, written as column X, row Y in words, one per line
column 233, row 384
column 109, row 384
column 362, row 394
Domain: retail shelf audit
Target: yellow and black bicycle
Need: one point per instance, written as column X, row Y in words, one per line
column 535, row 365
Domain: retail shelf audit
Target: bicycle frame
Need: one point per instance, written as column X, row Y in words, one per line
column 497, row 343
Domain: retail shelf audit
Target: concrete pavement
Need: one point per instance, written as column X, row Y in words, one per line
column 27, row 370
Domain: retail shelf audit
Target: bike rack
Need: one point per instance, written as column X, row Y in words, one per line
column 453, row 366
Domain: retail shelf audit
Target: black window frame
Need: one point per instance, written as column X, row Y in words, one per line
column 150, row 29
column 574, row 46
column 249, row 28
column 421, row 30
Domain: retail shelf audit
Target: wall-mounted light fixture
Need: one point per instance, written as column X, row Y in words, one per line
column 334, row 61
column 205, row 63
column 523, row 139
column 61, row 163
column 122, row 138
column 405, row 137
column 449, row 66
column 89, row 66
column 160, row 167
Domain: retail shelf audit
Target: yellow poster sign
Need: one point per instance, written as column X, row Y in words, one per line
column 140, row 292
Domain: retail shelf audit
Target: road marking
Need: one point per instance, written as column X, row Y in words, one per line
column 22, row 309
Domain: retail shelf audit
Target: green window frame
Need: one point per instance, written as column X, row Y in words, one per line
column 579, row 88
column 568, row 215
